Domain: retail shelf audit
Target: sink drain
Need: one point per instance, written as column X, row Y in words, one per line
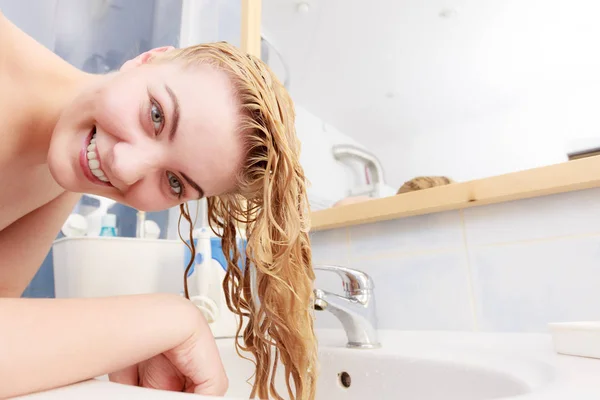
column 345, row 379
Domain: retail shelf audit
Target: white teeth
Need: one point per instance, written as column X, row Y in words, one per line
column 93, row 162
column 97, row 172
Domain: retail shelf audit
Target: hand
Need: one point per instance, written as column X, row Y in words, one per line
column 194, row 366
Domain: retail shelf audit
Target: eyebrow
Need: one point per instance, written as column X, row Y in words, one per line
column 173, row 131
column 175, row 117
column 194, row 185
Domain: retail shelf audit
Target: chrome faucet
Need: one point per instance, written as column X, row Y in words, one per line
column 355, row 310
column 342, row 152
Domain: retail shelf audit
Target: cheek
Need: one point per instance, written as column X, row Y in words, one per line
column 148, row 195
column 118, row 111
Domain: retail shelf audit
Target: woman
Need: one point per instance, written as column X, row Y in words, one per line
column 172, row 125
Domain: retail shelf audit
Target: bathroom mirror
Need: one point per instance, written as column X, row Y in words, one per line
column 465, row 89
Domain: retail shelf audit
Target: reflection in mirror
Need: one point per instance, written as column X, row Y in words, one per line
column 462, row 89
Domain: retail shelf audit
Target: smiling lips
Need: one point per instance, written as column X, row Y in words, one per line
column 93, row 161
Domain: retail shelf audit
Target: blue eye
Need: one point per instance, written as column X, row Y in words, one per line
column 175, row 184
column 156, row 116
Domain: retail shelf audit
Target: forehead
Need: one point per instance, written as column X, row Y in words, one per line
column 208, row 145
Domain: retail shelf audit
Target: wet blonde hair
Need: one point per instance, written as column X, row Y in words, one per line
column 271, row 202
column 424, row 182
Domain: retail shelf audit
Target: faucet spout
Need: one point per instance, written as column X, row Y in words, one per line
column 357, row 315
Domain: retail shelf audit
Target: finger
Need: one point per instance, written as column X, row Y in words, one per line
column 217, row 386
column 126, row 376
column 199, row 361
column 159, row 373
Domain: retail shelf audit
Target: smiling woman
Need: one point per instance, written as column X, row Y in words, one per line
column 155, row 139
column 170, row 126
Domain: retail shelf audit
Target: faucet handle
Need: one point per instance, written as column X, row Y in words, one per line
column 355, row 282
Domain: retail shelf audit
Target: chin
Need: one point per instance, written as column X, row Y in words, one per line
column 62, row 173
column 60, row 165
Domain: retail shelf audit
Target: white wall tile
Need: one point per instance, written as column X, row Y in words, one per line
column 534, row 261
column 423, row 232
column 421, row 291
column 563, row 214
column 523, row 286
column 330, row 246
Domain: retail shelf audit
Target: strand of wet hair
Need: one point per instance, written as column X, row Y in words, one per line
column 185, row 213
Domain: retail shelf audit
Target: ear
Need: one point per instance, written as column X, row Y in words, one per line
column 144, row 57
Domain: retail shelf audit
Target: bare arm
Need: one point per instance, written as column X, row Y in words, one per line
column 46, row 343
column 25, row 243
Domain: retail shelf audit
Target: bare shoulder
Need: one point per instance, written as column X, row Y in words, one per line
column 61, row 205
column 25, row 243
column 51, row 215
column 3, row 20
column 4, row 43
column 40, row 225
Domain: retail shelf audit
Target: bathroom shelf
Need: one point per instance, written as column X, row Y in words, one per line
column 558, row 178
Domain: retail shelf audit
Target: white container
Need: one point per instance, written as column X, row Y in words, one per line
column 576, row 338
column 111, row 266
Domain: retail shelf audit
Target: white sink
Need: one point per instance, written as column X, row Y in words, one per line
column 360, row 374
column 406, row 378
column 409, row 365
column 387, row 373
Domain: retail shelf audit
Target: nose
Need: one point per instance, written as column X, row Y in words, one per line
column 131, row 163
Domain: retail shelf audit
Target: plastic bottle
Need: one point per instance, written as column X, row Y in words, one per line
column 204, row 290
column 94, row 219
column 109, row 225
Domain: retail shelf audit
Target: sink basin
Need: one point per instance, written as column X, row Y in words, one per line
column 361, row 374
column 401, row 377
